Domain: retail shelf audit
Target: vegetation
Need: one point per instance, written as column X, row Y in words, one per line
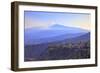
column 60, row 51
column 70, row 50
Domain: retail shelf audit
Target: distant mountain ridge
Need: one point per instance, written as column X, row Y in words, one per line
column 58, row 26
column 54, row 33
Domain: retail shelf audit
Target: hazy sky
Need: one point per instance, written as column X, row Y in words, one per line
column 34, row 19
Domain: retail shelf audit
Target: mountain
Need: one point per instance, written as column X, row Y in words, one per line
column 54, row 33
column 36, row 42
column 57, row 26
column 84, row 37
column 70, row 29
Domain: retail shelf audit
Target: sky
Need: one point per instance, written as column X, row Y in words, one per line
column 36, row 19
